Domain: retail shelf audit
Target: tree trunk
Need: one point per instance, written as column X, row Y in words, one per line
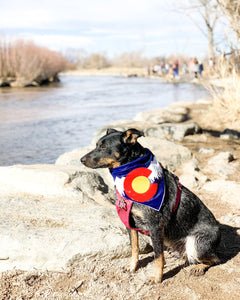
column 210, row 43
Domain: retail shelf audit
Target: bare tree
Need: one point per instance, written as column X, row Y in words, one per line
column 208, row 11
column 231, row 10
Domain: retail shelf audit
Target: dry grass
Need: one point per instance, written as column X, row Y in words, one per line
column 226, row 101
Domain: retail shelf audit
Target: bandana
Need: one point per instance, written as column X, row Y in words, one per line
column 141, row 181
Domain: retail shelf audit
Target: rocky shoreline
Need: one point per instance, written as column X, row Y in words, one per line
column 60, row 235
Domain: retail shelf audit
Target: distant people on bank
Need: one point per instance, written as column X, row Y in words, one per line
column 191, row 66
column 175, row 70
column 156, row 69
column 184, row 68
column 166, row 68
column 201, row 68
column 195, row 67
column 148, row 70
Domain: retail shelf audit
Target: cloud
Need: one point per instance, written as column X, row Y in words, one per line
column 107, row 26
column 39, row 14
column 60, row 42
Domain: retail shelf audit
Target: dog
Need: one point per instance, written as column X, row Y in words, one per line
column 181, row 222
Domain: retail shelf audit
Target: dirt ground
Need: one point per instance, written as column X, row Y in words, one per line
column 101, row 278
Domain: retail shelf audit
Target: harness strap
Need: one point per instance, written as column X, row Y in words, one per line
column 124, row 207
column 178, row 196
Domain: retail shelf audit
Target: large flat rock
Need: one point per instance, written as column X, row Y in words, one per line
column 49, row 235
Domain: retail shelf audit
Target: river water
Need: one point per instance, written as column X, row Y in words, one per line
column 39, row 124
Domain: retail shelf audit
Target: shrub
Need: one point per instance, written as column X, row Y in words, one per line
column 23, row 61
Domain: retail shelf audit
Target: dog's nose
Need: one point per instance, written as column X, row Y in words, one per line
column 83, row 160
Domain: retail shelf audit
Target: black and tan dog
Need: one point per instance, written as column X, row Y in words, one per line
column 186, row 226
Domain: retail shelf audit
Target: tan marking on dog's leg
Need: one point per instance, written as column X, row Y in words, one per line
column 158, row 269
column 135, row 251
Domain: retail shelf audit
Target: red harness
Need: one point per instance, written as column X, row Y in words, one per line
column 124, row 206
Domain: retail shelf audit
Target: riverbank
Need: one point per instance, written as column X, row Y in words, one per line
column 61, row 238
column 132, row 72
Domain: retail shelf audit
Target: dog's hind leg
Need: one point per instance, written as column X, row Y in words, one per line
column 135, row 251
column 201, row 249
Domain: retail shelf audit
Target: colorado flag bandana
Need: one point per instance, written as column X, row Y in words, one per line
column 141, row 181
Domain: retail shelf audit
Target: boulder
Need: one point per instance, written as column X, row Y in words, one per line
column 38, row 180
column 172, row 114
column 179, row 131
column 230, row 134
column 163, row 131
column 220, row 164
column 61, row 181
column 227, row 191
column 206, row 150
column 170, row 155
column 191, row 176
column 49, row 234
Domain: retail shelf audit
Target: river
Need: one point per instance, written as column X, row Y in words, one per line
column 39, row 124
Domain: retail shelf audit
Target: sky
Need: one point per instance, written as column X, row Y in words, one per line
column 103, row 26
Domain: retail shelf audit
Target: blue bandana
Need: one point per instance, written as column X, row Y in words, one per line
column 141, row 181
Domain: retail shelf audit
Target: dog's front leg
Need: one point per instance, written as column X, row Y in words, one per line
column 135, row 251
column 157, row 241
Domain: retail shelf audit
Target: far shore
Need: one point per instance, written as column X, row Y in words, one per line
column 142, row 72
column 131, row 73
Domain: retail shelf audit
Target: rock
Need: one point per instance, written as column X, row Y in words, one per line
column 228, row 191
column 73, row 157
column 41, row 180
column 168, row 153
column 179, row 131
column 191, row 177
column 189, row 181
column 164, row 131
column 206, row 150
column 92, row 185
column 219, row 164
column 4, row 83
column 51, row 234
column 171, row 114
column 231, row 219
column 230, row 134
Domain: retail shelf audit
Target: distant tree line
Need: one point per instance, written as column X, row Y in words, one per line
column 132, row 59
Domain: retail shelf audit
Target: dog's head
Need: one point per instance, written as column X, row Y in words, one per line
column 114, row 149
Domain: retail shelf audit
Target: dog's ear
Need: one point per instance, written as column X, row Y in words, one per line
column 110, row 130
column 131, row 135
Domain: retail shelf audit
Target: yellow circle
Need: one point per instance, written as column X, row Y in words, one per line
column 140, row 184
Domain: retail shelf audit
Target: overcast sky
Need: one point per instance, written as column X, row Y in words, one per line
column 109, row 26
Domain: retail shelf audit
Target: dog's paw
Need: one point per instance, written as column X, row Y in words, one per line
column 198, row 270
column 156, row 277
column 132, row 266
